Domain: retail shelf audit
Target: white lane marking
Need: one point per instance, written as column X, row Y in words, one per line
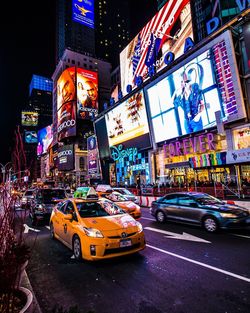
column 183, row 236
column 248, row 237
column 27, row 229
column 147, row 218
column 47, row 227
column 201, row 264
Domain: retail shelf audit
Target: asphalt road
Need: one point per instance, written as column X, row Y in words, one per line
column 183, row 269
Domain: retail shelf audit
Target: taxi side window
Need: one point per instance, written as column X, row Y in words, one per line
column 69, row 208
column 61, row 206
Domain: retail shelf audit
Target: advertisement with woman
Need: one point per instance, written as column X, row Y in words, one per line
column 188, row 100
column 87, row 94
column 66, row 104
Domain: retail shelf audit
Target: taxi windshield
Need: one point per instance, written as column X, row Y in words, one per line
column 116, row 197
column 96, row 209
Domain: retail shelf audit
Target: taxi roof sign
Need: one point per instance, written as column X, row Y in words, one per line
column 85, row 193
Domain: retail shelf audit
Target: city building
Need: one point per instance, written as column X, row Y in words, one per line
column 74, row 30
column 186, row 122
column 73, row 70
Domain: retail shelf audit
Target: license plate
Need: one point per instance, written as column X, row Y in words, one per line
column 125, row 243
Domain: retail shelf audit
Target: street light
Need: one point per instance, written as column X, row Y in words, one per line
column 3, row 168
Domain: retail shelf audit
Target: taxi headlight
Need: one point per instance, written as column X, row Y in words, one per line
column 92, row 232
column 228, row 215
column 139, row 226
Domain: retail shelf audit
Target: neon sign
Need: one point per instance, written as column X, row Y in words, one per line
column 118, row 153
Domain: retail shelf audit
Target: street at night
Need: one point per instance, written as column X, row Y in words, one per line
column 125, row 156
column 182, row 269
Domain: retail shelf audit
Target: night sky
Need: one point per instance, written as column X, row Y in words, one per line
column 28, row 47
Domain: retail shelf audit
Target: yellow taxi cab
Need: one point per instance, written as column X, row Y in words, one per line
column 127, row 205
column 96, row 229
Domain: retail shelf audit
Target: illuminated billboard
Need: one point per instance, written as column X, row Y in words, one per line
column 66, row 104
column 29, row 118
column 128, row 121
column 166, row 31
column 66, row 159
column 30, row 136
column 188, row 99
column 83, row 12
column 87, row 93
column 93, row 167
column 44, row 137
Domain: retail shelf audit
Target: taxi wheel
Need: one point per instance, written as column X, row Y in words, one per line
column 52, row 231
column 77, row 248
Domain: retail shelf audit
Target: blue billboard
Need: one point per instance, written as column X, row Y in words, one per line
column 83, row 12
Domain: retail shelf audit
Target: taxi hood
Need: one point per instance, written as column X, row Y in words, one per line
column 109, row 223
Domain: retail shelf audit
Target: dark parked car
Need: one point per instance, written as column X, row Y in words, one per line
column 201, row 209
column 27, row 198
column 44, row 201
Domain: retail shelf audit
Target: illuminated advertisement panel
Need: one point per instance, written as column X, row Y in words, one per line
column 66, row 159
column 87, row 94
column 83, row 12
column 92, row 155
column 29, row 118
column 186, row 100
column 165, row 32
column 66, row 104
column 44, row 138
column 128, row 121
column 30, row 136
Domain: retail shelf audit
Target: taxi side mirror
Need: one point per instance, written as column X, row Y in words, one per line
column 68, row 217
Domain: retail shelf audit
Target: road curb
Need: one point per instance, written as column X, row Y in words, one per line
column 26, row 283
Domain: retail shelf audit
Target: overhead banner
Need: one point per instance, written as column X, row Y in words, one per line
column 83, row 12
column 93, row 168
column 87, row 93
column 165, row 32
column 66, row 159
column 30, row 136
column 238, row 156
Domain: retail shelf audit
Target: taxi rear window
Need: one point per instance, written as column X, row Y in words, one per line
column 95, row 209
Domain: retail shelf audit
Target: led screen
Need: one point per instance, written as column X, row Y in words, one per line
column 83, row 12
column 166, row 31
column 92, row 155
column 29, row 118
column 186, row 100
column 44, row 137
column 128, row 121
column 87, row 94
column 66, row 104
column 66, row 160
column 30, row 136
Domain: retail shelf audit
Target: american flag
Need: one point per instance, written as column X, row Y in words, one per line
column 160, row 25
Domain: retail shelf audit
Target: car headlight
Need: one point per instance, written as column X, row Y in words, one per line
column 92, row 232
column 228, row 215
column 139, row 226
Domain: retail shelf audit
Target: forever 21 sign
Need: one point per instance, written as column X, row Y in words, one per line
column 66, row 158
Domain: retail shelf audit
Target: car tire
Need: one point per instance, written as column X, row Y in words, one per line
column 160, row 216
column 77, row 249
column 210, row 224
column 52, row 231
